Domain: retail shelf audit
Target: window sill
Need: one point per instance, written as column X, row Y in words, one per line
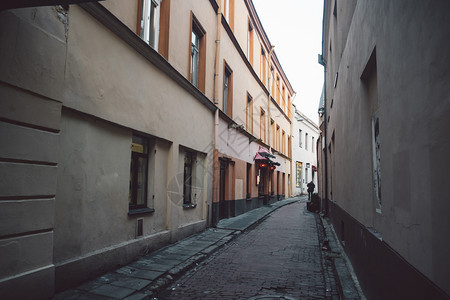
column 140, row 211
column 189, row 205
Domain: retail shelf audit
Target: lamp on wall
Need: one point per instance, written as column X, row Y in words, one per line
column 321, row 111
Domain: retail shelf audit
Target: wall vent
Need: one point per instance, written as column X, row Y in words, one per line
column 139, row 227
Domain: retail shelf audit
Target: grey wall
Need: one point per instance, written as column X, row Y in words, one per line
column 412, row 90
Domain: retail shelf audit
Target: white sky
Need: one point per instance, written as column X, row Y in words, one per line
column 295, row 28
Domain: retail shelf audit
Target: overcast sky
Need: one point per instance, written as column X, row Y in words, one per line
column 295, row 28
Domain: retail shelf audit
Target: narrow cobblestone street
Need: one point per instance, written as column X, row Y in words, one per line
column 280, row 257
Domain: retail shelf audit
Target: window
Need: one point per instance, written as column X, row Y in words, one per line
column 227, row 90
column 298, row 168
column 289, row 107
column 283, row 99
column 278, row 138
column 306, row 141
column 289, row 146
column 272, row 123
column 189, row 162
column 249, row 111
column 273, row 82
column 278, row 90
column 138, row 173
column 250, row 42
column 283, row 142
column 300, row 138
column 148, row 28
column 312, row 145
column 262, row 67
column 262, row 132
column 197, row 55
column 228, row 11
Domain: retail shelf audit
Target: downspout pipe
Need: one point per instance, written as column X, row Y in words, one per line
column 323, row 62
column 269, row 61
column 215, row 195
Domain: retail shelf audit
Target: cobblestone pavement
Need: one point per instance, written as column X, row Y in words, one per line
column 278, row 259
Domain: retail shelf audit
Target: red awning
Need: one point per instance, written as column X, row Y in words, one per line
column 259, row 157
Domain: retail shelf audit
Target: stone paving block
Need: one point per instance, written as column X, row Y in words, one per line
column 210, row 249
column 138, row 296
column 139, row 273
column 161, row 266
column 74, row 294
column 112, row 291
column 131, row 283
column 105, row 279
column 170, row 257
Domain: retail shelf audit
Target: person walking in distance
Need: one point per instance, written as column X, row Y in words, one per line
column 311, row 186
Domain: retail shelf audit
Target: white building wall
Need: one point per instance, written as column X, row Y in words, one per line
column 303, row 152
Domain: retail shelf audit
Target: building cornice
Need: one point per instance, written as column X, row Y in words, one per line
column 104, row 16
column 34, row 3
column 308, row 120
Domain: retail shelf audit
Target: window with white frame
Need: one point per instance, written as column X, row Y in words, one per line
column 149, row 29
column 300, row 138
column 306, row 141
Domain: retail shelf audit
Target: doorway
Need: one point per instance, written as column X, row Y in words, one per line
column 222, row 188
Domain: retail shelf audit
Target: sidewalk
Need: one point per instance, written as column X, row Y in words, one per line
column 142, row 278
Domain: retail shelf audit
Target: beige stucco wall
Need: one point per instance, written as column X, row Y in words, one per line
column 125, row 11
column 179, row 38
column 93, row 183
column 243, row 82
column 129, row 97
column 413, row 107
column 107, row 79
column 31, row 73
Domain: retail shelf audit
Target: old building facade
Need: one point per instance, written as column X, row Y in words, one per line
column 255, row 100
column 130, row 125
column 385, row 142
column 304, row 156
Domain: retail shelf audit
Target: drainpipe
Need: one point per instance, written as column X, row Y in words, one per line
column 324, row 64
column 268, row 112
column 215, row 196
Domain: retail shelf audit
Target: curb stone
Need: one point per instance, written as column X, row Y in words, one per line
column 345, row 283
